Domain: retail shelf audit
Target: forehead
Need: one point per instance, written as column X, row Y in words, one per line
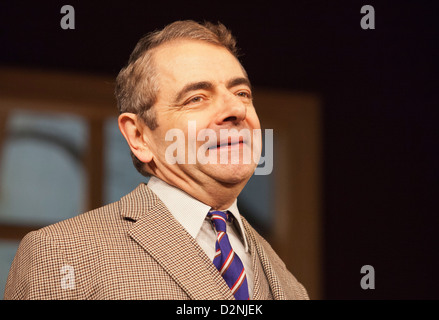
column 194, row 60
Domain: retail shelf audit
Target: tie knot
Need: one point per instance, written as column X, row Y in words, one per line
column 219, row 219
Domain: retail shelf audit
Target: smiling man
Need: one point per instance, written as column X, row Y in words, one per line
column 180, row 236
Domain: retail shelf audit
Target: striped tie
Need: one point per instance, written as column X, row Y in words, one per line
column 226, row 260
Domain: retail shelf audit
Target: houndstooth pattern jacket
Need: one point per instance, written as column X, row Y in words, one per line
column 134, row 249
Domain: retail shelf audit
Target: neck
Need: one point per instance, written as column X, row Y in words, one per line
column 217, row 195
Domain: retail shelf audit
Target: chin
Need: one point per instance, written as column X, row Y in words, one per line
column 232, row 173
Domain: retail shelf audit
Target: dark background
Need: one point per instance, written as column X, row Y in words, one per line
column 379, row 90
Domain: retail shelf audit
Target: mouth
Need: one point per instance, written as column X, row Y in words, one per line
column 230, row 142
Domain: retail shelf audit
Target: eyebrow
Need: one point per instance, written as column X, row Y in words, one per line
column 202, row 85
column 238, row 81
column 206, row 85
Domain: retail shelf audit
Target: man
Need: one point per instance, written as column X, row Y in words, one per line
column 180, row 236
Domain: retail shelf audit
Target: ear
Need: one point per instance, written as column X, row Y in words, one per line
column 132, row 129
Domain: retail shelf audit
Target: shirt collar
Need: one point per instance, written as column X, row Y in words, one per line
column 189, row 211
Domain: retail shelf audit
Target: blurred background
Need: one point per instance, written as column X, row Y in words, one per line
column 355, row 117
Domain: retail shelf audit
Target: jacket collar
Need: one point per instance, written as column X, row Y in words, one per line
column 189, row 211
column 258, row 252
column 159, row 233
column 137, row 203
column 163, row 237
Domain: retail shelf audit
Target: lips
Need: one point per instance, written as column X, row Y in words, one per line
column 231, row 141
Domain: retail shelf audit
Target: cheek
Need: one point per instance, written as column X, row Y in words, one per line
column 177, row 139
column 252, row 119
column 158, row 138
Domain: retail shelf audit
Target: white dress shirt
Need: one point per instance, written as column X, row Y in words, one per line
column 192, row 215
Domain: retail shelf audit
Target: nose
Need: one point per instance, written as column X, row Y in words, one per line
column 232, row 110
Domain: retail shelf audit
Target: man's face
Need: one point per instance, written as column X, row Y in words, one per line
column 203, row 85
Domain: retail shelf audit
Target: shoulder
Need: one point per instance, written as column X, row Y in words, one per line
column 44, row 255
column 95, row 220
column 109, row 219
column 78, row 242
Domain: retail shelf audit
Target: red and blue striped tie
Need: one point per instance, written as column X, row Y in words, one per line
column 226, row 260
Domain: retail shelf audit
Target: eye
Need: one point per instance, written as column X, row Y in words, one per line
column 195, row 99
column 244, row 94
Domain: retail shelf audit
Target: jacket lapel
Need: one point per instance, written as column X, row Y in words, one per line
column 267, row 269
column 261, row 288
column 163, row 237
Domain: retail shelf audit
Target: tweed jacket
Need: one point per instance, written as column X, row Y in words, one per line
column 134, row 249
